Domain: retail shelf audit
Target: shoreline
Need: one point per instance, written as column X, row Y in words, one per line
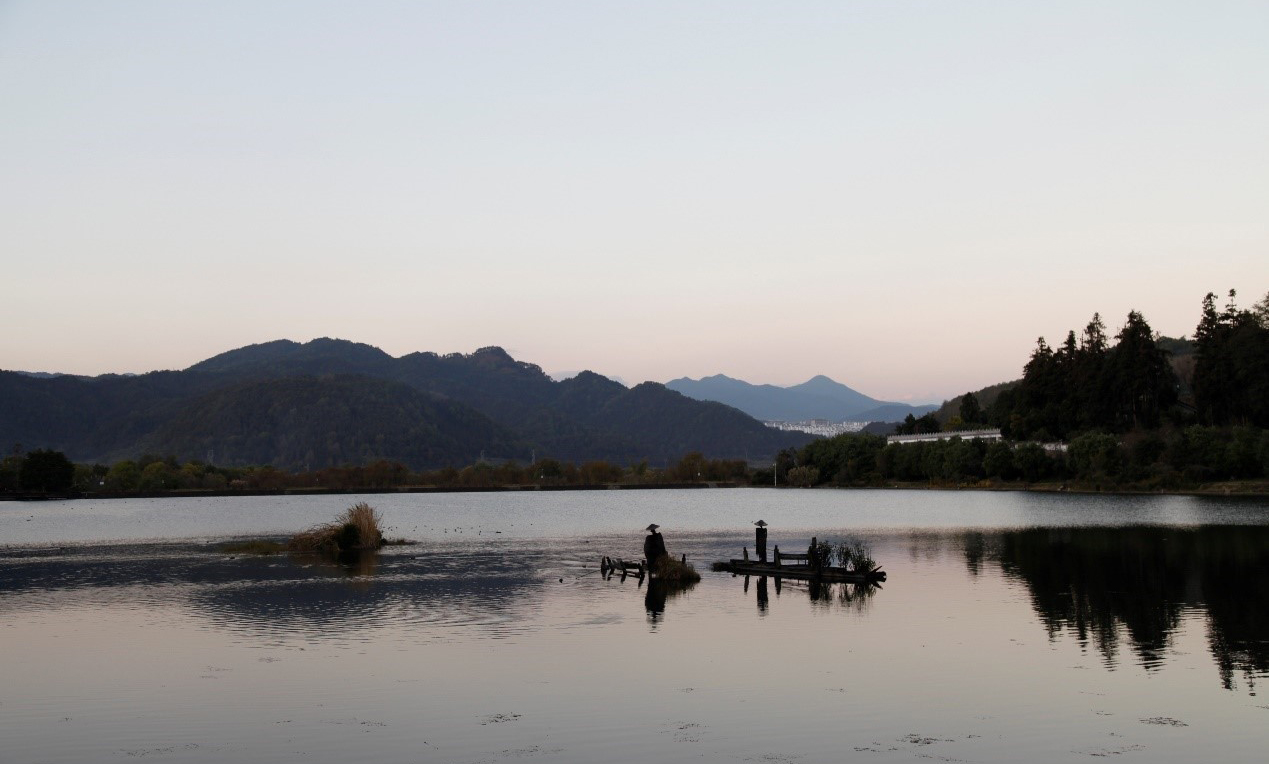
column 1231, row 489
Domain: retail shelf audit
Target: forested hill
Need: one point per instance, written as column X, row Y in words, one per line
column 330, row 402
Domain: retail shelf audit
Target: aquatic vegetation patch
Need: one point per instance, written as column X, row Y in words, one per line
column 671, row 570
column 357, row 529
column 856, row 555
column 819, row 554
column 254, row 546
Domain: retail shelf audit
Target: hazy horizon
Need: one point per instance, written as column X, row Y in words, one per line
column 900, row 196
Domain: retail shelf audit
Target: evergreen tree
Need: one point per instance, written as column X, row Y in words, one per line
column 970, row 411
column 1231, row 371
column 1140, row 376
column 1089, row 376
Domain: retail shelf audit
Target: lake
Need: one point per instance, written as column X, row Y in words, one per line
column 1013, row 626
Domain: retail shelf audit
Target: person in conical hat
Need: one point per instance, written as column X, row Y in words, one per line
column 653, row 545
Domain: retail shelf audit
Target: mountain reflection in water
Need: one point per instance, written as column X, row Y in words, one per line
column 1103, row 583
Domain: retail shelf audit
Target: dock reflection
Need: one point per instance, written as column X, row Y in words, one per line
column 852, row 596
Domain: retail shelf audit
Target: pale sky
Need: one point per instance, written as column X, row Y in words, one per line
column 900, row 195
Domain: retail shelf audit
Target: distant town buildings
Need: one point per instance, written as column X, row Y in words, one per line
column 821, row 427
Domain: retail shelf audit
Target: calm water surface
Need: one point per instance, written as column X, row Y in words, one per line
column 1013, row 627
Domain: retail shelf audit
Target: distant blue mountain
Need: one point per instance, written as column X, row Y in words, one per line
column 817, row 398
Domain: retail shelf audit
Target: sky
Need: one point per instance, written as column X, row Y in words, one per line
column 900, row 195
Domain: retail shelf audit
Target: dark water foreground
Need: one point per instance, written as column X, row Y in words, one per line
column 1056, row 644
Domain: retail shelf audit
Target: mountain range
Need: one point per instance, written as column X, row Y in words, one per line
column 817, row 398
column 330, row 402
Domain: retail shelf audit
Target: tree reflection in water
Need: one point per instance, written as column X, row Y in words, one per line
column 1099, row 583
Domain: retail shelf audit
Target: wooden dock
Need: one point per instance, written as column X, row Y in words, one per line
column 801, row 566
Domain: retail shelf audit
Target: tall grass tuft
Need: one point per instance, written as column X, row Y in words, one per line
column 820, row 555
column 357, row 528
column 856, row 555
column 365, row 519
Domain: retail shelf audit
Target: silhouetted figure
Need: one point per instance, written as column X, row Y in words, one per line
column 760, row 540
column 654, row 546
column 654, row 601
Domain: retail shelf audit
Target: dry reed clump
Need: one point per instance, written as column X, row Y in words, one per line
column 357, row 529
column 671, row 570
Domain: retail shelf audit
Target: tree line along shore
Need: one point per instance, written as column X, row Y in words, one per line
column 1195, row 459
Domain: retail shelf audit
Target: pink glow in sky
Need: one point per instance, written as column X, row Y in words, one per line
column 902, row 196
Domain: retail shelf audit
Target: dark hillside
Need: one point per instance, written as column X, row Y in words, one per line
column 282, row 358
column 446, row 418
column 303, row 423
column 87, row 417
column 986, row 397
column 666, row 424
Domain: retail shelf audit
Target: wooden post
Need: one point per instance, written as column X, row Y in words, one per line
column 684, row 560
column 777, row 555
column 746, row 551
column 760, row 543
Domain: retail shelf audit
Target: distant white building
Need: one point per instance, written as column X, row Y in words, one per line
column 931, row 436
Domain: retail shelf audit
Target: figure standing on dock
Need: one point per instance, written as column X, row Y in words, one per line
column 760, row 540
column 653, row 546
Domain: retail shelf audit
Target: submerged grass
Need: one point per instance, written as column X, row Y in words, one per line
column 358, row 528
column 254, row 546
